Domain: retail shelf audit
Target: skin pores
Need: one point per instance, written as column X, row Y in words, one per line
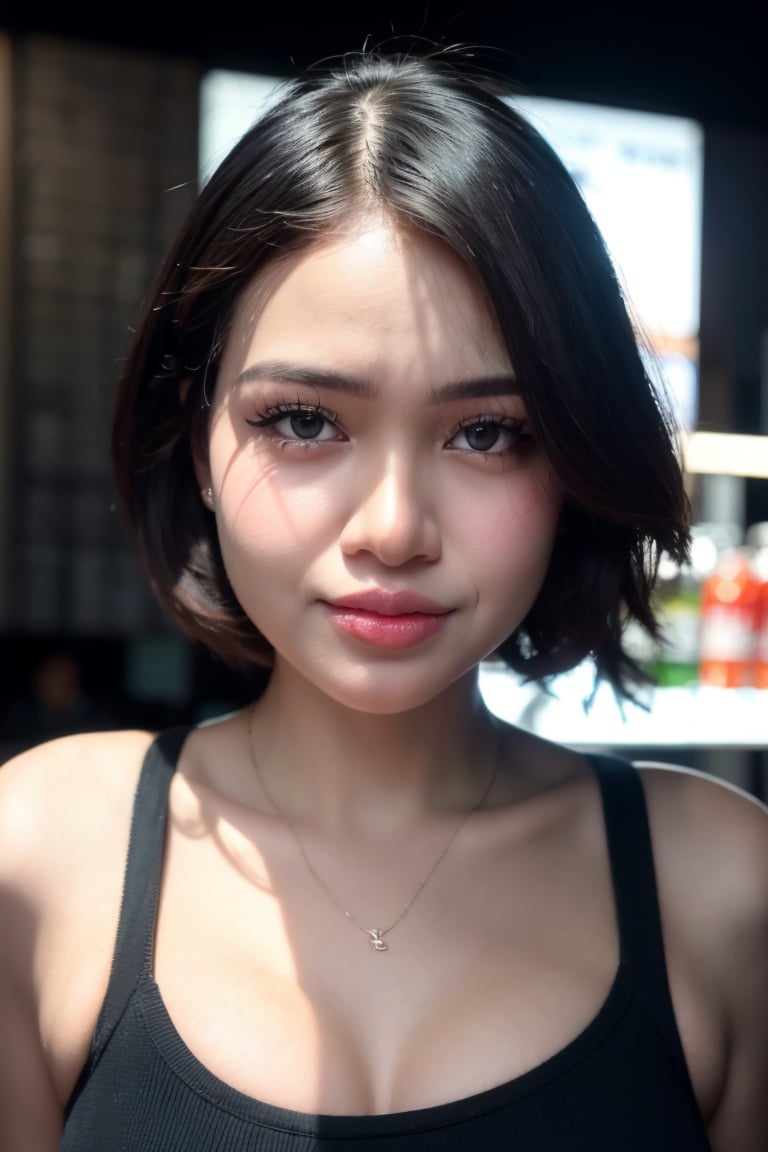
column 386, row 518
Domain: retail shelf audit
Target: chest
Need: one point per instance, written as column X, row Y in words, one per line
column 497, row 967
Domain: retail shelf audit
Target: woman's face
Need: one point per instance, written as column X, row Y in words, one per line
column 386, row 518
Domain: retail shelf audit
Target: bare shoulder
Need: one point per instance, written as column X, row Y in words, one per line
column 705, row 827
column 65, row 813
column 65, row 809
column 710, row 842
column 711, row 796
column 711, row 851
column 88, row 751
column 64, row 790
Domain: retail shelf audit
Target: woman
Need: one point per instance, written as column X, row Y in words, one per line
column 384, row 415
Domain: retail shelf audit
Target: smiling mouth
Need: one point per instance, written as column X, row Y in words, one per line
column 390, row 604
column 390, row 629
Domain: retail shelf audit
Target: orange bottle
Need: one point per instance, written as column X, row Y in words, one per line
column 761, row 646
column 757, row 536
column 730, row 597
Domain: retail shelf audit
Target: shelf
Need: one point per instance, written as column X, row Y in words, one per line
column 689, row 717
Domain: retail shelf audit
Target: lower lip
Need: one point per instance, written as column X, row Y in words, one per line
column 388, row 631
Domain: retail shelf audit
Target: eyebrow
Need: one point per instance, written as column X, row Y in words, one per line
column 503, row 384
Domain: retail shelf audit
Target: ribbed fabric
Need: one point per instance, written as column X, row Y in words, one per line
column 621, row 1086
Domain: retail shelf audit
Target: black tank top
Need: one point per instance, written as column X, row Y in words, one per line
column 621, row 1086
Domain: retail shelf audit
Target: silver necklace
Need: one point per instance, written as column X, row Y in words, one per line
column 375, row 935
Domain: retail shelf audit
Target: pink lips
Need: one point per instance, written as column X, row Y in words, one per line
column 388, row 619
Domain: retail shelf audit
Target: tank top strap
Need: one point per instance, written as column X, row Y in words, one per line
column 638, row 916
column 132, row 959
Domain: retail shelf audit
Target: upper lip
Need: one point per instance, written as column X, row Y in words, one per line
column 389, row 603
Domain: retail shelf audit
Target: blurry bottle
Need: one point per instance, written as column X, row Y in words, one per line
column 678, row 602
column 757, row 538
column 676, row 661
column 727, row 633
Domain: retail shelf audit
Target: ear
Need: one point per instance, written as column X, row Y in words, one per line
column 202, row 475
column 199, row 459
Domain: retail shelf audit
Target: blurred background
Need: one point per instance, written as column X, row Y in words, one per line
column 111, row 122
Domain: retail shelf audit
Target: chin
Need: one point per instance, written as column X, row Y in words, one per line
column 392, row 695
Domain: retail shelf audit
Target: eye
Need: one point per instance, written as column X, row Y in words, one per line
column 298, row 422
column 491, row 435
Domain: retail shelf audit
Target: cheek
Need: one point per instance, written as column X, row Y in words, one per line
column 267, row 522
column 512, row 555
column 514, row 523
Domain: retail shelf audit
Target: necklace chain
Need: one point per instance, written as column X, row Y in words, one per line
column 376, row 935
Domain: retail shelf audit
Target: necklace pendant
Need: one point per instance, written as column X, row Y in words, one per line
column 377, row 943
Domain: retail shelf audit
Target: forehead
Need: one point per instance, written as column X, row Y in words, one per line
column 365, row 293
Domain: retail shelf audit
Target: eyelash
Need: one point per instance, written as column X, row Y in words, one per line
column 519, row 433
column 275, row 414
column 518, row 430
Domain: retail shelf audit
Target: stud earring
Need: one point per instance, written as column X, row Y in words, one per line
column 207, row 495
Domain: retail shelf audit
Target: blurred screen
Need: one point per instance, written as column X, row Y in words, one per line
column 641, row 175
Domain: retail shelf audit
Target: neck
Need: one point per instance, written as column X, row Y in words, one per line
column 375, row 777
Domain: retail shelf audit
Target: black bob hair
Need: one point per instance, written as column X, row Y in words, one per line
column 429, row 140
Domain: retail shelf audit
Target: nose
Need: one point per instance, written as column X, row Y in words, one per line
column 393, row 517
